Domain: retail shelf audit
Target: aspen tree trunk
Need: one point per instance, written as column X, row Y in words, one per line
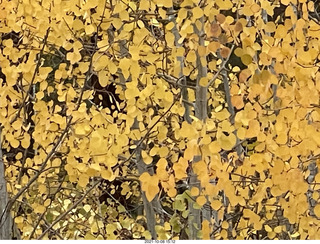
column 180, row 60
column 5, row 217
column 201, row 106
column 149, row 207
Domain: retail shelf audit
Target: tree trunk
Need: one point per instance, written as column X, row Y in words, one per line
column 5, row 217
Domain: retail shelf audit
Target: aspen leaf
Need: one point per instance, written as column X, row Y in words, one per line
column 215, row 30
column 206, row 231
column 106, row 174
column 112, row 68
column 237, row 101
column 296, row 234
column 169, row 39
column 191, row 56
column 268, row 228
column 246, row 59
column 169, row 26
column 238, row 27
column 201, row 200
column 197, row 12
column 203, row 81
column 225, row 225
column 77, row 24
column 227, row 142
column 216, row 205
column 225, row 52
column 83, row 180
column 214, row 147
column 213, row 46
column 144, row 5
column 14, row 143
column 255, row 8
column 87, row 208
column 146, row 158
column 278, row 229
column 317, row 210
column 194, row 191
column 39, row 209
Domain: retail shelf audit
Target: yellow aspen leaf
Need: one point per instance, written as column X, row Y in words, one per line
column 316, row 210
column 117, row 23
column 282, row 138
column 107, row 174
column 255, row 8
column 169, row 39
column 271, row 235
column 206, row 230
column 224, row 234
column 14, row 143
column 25, row 142
column 42, row 189
column 270, row 27
column 167, row 226
column 163, row 151
column 80, row 130
column 197, row 12
column 172, row 192
column 237, row 101
column 227, row 142
column 151, row 189
column 281, row 32
column 103, row 44
column 83, row 180
column 145, row 177
column 246, row 59
column 144, row 5
column 268, row 228
column 201, row 200
column 225, row 225
column 194, row 191
column 191, row 56
column 213, row 46
column 167, row 3
column 112, row 68
column 170, row 26
column 296, row 234
column 77, row 25
column 146, row 158
column 73, row 57
column 89, row 29
column 203, row 81
column 47, row 202
column 83, row 67
column 286, row 2
column 87, row 208
column 216, row 204
column 39, row 209
column 214, row 147
column 189, row 153
column 222, row 114
column 154, row 151
column 254, row 129
column 202, row 51
column 246, row 10
column 241, row 133
column 95, row 166
column 278, row 229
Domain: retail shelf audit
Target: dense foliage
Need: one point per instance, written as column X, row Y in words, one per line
column 163, row 119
